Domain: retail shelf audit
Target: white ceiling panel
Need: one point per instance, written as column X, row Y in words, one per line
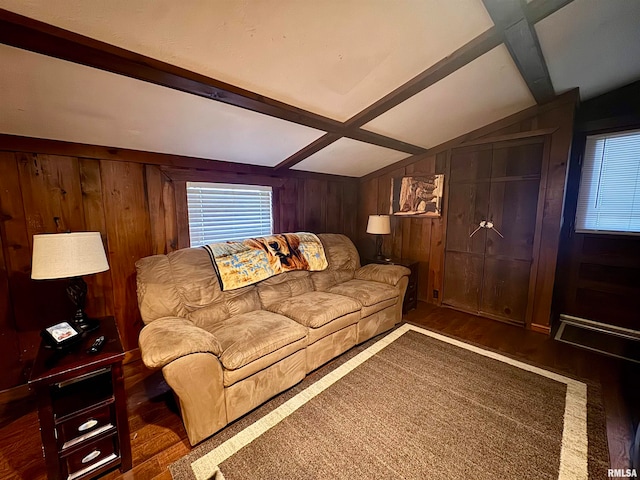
column 481, row 92
column 49, row 98
column 350, row 158
column 332, row 57
column 592, row 44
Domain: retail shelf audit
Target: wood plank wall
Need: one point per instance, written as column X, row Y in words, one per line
column 424, row 239
column 140, row 210
column 599, row 278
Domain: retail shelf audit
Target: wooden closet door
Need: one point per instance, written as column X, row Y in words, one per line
column 469, row 189
column 513, row 208
column 486, row 273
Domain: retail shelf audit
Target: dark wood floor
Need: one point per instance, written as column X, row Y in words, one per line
column 158, row 437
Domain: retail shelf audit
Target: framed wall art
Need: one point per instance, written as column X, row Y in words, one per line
column 418, row 195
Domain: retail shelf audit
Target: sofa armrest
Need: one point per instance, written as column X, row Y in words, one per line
column 390, row 274
column 166, row 339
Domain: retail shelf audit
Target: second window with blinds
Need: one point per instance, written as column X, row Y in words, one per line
column 220, row 212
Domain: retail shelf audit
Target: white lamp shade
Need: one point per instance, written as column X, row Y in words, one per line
column 379, row 224
column 65, row 255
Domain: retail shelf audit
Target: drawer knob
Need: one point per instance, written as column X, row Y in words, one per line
column 88, row 425
column 91, row 456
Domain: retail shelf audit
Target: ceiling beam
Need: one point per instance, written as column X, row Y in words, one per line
column 23, row 32
column 538, row 10
column 28, row 34
column 322, row 142
column 522, row 42
column 477, row 47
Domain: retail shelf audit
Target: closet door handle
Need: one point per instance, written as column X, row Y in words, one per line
column 490, row 226
column 485, row 224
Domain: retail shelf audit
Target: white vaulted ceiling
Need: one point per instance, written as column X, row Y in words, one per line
column 50, row 98
column 332, row 58
column 487, row 89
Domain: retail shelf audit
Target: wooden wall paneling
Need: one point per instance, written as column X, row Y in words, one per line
column 17, row 253
column 392, row 246
column 416, row 234
column 51, row 193
column 350, row 223
column 335, row 207
column 155, row 199
column 182, row 213
column 604, row 282
column 52, row 202
column 276, row 221
column 170, row 215
column 314, row 210
column 367, row 205
column 542, row 193
column 100, row 285
column 439, row 234
column 129, row 234
column 288, row 206
column 561, row 117
column 9, row 343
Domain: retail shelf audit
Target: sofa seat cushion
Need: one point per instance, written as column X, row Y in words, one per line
column 250, row 336
column 368, row 293
column 315, row 309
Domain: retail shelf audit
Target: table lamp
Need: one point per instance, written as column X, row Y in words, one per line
column 379, row 225
column 70, row 255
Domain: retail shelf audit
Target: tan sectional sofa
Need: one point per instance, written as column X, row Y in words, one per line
column 225, row 352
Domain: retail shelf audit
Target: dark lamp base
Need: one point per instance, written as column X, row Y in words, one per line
column 86, row 325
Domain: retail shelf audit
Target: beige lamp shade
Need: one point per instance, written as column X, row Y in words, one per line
column 379, row 224
column 65, row 255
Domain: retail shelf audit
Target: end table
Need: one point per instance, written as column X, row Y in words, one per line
column 82, row 406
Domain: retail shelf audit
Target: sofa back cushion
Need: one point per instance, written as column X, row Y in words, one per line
column 234, row 302
column 343, row 259
column 183, row 283
column 157, row 294
column 283, row 286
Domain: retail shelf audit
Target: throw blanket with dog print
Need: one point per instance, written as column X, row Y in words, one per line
column 238, row 264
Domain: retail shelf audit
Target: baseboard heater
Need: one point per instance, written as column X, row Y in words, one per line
column 599, row 337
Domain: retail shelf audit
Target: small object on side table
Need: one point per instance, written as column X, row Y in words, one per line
column 82, row 407
column 97, row 345
column 411, row 295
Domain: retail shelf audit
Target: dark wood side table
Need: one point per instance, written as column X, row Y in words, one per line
column 411, row 295
column 82, row 407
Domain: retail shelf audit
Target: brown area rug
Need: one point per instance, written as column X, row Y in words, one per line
column 415, row 405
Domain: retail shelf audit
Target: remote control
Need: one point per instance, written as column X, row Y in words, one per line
column 97, row 345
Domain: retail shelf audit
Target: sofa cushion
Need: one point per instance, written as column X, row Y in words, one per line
column 315, row 309
column 389, row 274
column 343, row 260
column 234, row 302
column 249, row 336
column 366, row 292
column 283, row 286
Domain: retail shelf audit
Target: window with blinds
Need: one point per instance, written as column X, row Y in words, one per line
column 219, row 212
column 609, row 194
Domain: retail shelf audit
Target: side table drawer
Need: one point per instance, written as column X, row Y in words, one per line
column 91, row 457
column 70, row 396
column 85, row 426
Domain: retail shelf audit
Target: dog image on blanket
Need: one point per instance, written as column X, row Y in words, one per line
column 241, row 263
column 283, row 249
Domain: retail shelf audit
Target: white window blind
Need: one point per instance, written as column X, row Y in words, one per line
column 219, row 212
column 609, row 194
